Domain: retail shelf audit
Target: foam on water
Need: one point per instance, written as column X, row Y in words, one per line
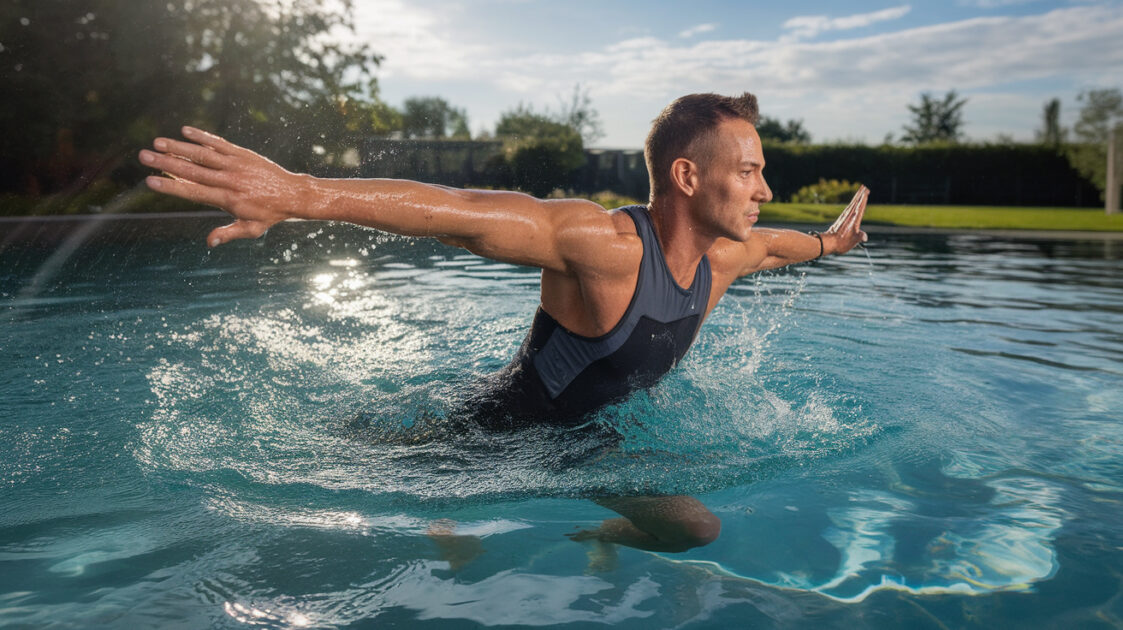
column 254, row 392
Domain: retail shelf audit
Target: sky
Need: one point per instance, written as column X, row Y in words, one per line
column 847, row 70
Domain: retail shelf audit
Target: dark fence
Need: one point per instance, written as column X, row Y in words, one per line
column 621, row 171
column 481, row 163
column 1014, row 175
column 449, row 162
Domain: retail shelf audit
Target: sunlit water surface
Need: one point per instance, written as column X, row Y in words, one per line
column 928, row 435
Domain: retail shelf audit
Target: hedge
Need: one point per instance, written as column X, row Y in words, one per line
column 985, row 175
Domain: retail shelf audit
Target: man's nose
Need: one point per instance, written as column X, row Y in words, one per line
column 766, row 194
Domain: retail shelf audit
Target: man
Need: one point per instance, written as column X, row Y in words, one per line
column 623, row 291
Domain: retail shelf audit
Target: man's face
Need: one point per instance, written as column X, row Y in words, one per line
column 731, row 183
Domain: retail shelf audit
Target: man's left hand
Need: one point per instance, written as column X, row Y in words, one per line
column 846, row 231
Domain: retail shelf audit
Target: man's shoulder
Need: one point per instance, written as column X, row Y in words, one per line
column 623, row 221
column 587, row 220
column 604, row 242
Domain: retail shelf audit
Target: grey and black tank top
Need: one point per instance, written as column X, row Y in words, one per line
column 561, row 377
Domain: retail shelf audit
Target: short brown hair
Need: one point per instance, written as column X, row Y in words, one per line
column 685, row 126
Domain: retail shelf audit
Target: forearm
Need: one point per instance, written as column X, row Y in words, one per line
column 501, row 225
column 406, row 207
column 786, row 247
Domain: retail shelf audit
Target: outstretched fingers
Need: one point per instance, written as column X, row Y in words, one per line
column 854, row 225
column 856, row 210
column 183, row 168
column 851, row 217
column 189, row 190
column 197, row 153
column 210, row 140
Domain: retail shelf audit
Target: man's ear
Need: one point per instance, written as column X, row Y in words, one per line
column 684, row 176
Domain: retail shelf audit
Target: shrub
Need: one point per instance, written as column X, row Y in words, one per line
column 826, row 191
column 610, row 200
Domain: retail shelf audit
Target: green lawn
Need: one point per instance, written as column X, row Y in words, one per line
column 984, row 217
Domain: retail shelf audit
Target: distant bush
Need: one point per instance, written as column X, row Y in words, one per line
column 610, row 200
column 826, row 191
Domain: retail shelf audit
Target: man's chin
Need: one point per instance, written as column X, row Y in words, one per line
column 747, row 227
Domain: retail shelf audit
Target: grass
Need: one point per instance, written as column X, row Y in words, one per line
column 965, row 217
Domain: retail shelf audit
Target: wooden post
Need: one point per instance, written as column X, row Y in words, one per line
column 1111, row 191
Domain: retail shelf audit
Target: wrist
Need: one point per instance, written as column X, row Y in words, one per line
column 830, row 244
column 820, row 242
column 308, row 200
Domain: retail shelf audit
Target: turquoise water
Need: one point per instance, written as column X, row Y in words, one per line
column 928, row 437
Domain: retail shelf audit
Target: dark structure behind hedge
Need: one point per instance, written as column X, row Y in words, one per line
column 449, row 162
column 999, row 175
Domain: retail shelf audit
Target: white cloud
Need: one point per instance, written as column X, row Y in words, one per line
column 697, row 30
column 853, row 88
column 991, row 4
column 808, row 26
column 417, row 43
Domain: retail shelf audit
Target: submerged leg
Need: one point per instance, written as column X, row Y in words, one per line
column 674, row 523
column 455, row 549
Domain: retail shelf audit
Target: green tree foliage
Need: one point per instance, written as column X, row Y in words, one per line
column 87, row 82
column 1051, row 134
column 772, row 129
column 541, row 151
column 1102, row 110
column 936, row 120
column 433, row 117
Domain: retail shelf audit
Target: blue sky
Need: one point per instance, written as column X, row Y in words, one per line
column 847, row 70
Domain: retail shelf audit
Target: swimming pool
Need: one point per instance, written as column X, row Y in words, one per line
column 928, row 436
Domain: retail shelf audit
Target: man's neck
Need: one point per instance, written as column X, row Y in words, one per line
column 682, row 242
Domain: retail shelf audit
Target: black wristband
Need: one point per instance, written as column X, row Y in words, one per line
column 820, row 237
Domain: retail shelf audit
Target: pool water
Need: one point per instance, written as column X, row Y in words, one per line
column 926, row 436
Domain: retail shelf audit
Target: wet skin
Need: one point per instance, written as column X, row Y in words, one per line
column 589, row 257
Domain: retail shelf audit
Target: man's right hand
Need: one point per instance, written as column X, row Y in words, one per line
column 208, row 169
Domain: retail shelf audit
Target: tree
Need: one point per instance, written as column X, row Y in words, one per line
column 579, row 114
column 1101, row 112
column 936, row 120
column 1052, row 133
column 91, row 81
column 772, row 129
column 541, row 152
column 433, row 117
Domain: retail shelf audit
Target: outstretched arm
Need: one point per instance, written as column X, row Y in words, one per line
column 770, row 248
column 506, row 226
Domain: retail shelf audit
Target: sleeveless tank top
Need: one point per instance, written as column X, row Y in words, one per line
column 560, row 377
